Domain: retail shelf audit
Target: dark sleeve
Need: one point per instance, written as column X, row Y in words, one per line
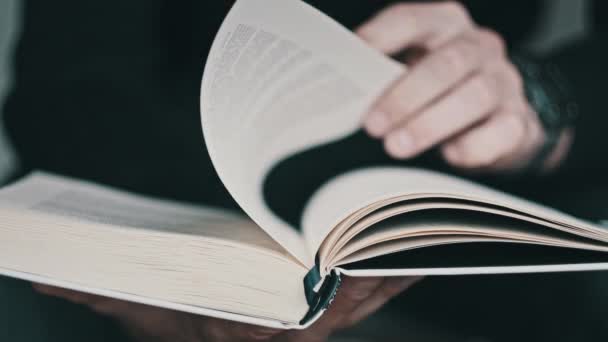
column 109, row 91
column 498, row 15
column 584, row 67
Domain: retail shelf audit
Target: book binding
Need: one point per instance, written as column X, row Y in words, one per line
column 319, row 292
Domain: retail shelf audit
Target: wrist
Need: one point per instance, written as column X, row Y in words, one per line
column 549, row 94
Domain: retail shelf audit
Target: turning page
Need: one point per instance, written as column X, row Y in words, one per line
column 281, row 77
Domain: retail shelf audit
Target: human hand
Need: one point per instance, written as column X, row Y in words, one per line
column 462, row 94
column 356, row 299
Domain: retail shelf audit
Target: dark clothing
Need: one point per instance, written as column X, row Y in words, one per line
column 109, row 91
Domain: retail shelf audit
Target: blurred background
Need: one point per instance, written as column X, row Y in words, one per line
column 9, row 27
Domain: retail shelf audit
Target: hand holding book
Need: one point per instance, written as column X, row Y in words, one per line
column 281, row 79
column 358, row 298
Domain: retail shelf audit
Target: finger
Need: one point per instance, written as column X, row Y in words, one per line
column 351, row 294
column 390, row 288
column 103, row 305
column 99, row 304
column 518, row 158
column 213, row 329
column 70, row 295
column 468, row 104
column 433, row 76
column 403, row 25
column 487, row 143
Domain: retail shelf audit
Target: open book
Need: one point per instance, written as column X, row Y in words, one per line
column 281, row 78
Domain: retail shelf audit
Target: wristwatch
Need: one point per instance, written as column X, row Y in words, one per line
column 548, row 92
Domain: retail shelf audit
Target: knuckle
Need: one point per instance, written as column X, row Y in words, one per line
column 454, row 59
column 516, row 126
column 492, row 41
column 483, row 87
column 514, row 77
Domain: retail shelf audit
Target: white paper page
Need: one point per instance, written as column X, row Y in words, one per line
column 361, row 188
column 282, row 77
column 42, row 193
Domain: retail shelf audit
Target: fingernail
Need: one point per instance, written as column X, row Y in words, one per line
column 377, row 124
column 401, row 144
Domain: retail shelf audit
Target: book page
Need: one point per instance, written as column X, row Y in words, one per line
column 64, row 198
column 386, row 236
column 358, row 189
column 282, row 77
column 408, row 213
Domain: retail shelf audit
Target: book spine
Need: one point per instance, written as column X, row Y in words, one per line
column 319, row 292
